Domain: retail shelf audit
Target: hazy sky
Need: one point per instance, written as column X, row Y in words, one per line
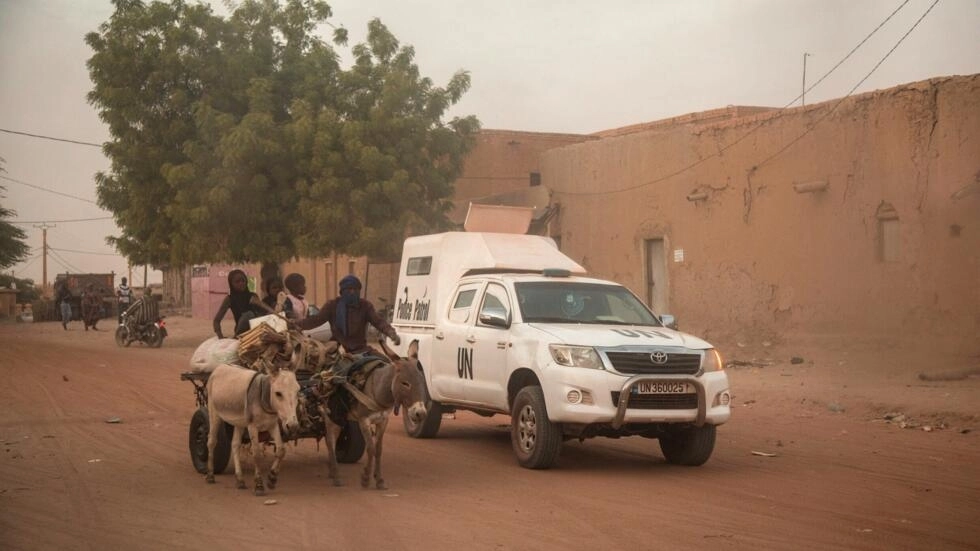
column 547, row 65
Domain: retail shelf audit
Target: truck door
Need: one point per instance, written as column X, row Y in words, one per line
column 452, row 367
column 490, row 342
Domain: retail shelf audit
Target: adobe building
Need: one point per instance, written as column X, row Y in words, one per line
column 853, row 217
column 502, row 169
column 856, row 217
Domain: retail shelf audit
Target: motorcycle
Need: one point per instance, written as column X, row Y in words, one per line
column 150, row 334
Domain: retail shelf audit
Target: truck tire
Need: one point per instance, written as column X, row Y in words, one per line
column 690, row 447
column 429, row 426
column 350, row 444
column 535, row 439
column 198, row 443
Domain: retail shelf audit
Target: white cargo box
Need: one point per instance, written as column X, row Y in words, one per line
column 433, row 264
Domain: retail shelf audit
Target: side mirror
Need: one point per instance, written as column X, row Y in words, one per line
column 494, row 318
column 669, row 321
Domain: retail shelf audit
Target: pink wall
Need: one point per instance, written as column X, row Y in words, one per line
column 761, row 258
column 208, row 290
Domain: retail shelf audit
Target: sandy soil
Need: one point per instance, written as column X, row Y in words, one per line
column 840, row 476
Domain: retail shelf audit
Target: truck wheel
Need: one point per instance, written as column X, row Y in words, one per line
column 535, row 439
column 122, row 336
column 198, row 443
column 690, row 447
column 350, row 444
column 429, row 426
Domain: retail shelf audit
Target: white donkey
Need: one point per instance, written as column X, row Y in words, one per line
column 258, row 401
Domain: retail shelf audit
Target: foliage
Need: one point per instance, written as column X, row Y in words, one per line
column 242, row 139
column 26, row 291
column 13, row 247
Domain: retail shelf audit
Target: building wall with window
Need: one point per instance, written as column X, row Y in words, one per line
column 502, row 162
column 859, row 216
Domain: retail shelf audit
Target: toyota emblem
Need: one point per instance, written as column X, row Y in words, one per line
column 658, row 357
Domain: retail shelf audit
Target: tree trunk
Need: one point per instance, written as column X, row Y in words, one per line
column 177, row 287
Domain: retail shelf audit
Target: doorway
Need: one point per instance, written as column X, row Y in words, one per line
column 655, row 277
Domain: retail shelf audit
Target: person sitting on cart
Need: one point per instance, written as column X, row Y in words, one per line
column 244, row 304
column 273, row 288
column 349, row 316
column 296, row 296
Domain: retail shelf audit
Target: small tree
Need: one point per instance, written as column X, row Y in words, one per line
column 13, row 244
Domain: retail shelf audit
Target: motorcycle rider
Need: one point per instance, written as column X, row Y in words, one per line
column 144, row 310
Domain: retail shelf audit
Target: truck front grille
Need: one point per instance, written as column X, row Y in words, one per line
column 641, row 363
column 659, row 401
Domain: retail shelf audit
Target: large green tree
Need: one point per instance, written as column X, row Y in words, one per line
column 243, row 139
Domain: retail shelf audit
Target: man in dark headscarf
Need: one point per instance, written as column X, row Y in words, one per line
column 349, row 315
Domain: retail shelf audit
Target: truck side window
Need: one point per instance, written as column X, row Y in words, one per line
column 419, row 265
column 460, row 312
column 495, row 302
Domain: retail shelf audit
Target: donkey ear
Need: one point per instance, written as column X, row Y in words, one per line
column 413, row 350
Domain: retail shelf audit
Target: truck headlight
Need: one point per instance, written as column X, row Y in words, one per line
column 575, row 356
column 711, row 361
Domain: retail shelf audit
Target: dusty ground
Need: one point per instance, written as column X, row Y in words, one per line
column 842, row 477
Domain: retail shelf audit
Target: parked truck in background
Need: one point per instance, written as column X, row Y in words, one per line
column 78, row 283
column 508, row 324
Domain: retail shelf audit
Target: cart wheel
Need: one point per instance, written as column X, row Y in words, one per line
column 198, row 441
column 350, row 444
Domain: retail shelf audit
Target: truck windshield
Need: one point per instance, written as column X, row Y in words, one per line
column 570, row 302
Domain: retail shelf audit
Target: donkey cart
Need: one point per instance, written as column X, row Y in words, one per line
column 350, row 444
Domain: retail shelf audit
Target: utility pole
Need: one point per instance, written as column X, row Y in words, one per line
column 44, row 253
column 803, row 95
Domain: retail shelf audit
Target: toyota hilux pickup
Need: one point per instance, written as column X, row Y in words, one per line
column 508, row 324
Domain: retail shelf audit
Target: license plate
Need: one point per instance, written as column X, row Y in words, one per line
column 663, row 387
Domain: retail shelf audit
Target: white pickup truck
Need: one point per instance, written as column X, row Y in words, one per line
column 508, row 324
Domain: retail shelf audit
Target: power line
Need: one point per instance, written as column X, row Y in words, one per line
column 59, row 221
column 760, row 124
column 839, row 102
column 81, row 252
column 29, row 261
column 849, row 54
column 64, row 263
column 50, row 138
column 48, row 190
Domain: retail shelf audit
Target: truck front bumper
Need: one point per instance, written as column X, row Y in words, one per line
column 587, row 396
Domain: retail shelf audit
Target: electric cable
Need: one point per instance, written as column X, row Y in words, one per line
column 27, row 263
column 81, row 252
column 47, row 190
column 59, row 221
column 79, row 142
column 760, row 124
column 812, row 126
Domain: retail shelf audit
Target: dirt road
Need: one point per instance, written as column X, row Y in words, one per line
column 842, row 477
